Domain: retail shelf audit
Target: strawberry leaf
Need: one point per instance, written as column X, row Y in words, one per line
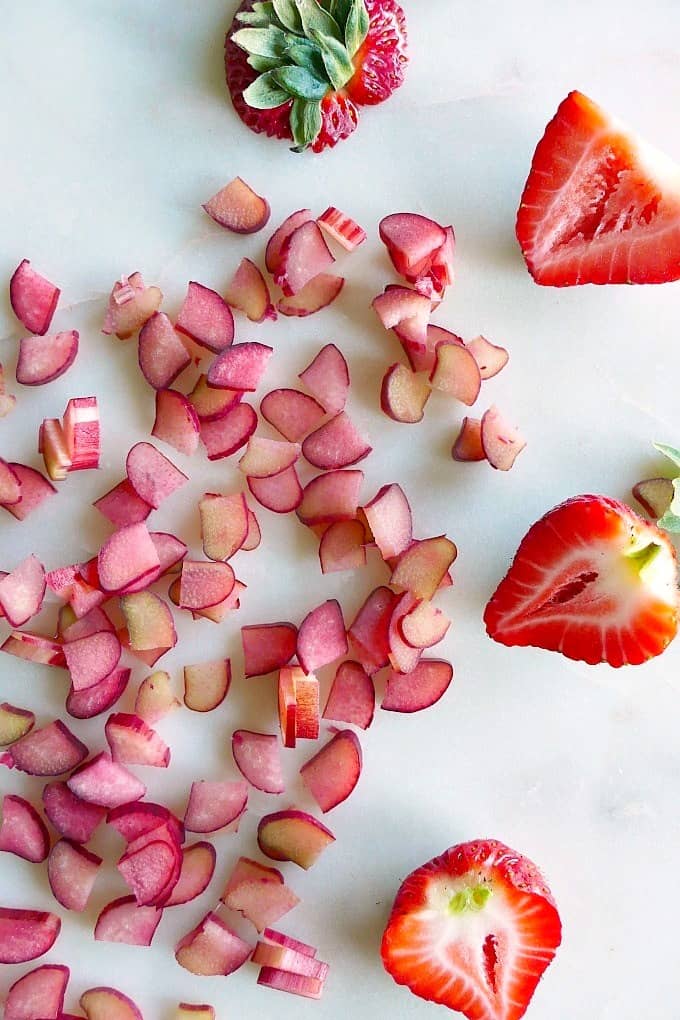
column 288, row 15
column 300, row 83
column 306, row 54
column 339, row 67
column 305, row 123
column 264, row 42
column 356, row 26
column 261, row 64
column 316, row 19
column 671, row 519
column 339, row 9
column 266, row 93
column 671, row 452
column 262, row 16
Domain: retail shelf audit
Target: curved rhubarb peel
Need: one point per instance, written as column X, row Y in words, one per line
column 198, row 867
column 419, row 689
column 293, row 836
column 468, row 444
column 227, row 434
column 88, row 703
column 238, row 208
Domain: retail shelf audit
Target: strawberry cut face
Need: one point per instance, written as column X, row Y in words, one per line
column 591, row 580
column 600, row 205
column 474, row 930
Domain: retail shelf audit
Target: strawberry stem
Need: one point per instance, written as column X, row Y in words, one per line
column 471, row 898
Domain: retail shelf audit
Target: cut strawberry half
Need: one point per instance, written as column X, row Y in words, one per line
column 600, row 204
column 474, row 930
column 591, row 580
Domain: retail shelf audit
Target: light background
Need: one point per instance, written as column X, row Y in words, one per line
column 115, row 127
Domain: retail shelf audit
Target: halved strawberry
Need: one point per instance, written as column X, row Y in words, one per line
column 591, row 580
column 600, row 204
column 473, row 930
column 297, row 69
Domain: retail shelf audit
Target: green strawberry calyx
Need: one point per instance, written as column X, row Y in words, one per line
column 302, row 50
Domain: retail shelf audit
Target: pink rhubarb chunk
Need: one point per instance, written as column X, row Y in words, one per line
column 44, row 358
column 267, row 647
column 327, row 379
column 152, row 476
column 212, row 948
column 206, row 317
column 247, row 290
column 33, row 298
column 258, row 760
column 101, row 781
column 72, row 872
column 22, row 830
column 125, row 921
column 321, row 638
column 214, row 805
column 38, row 995
column 131, row 304
column 26, row 934
column 238, row 208
column 423, row 687
column 292, row 413
column 352, row 696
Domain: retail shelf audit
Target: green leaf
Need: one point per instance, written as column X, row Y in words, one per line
column 316, row 19
column 262, row 16
column 356, row 26
column 261, row 64
column 264, row 42
column 671, row 519
column 305, row 123
column 308, row 55
column 265, row 93
column 340, row 9
column 339, row 67
column 300, row 83
column 669, row 451
column 288, row 15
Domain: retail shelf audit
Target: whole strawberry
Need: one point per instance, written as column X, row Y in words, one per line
column 299, row 69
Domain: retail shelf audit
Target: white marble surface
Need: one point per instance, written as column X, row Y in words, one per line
column 115, row 128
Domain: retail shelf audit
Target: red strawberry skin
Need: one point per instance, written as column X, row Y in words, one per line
column 599, row 206
column 485, row 961
column 576, row 586
column 381, row 61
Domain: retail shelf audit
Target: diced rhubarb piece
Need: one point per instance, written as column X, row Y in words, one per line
column 14, row 723
column 276, row 242
column 304, row 255
column 131, row 304
column 333, row 772
column 206, row 684
column 341, row 228
column 317, row 294
column 90, row 659
column 405, row 308
column 214, row 805
column 176, row 422
column 423, row 687
column 152, row 476
column 254, row 534
column 155, row 698
column 267, row 457
column 655, row 496
column 195, row 1011
column 101, row 781
column 38, row 995
column 287, row 701
column 148, row 620
column 108, row 1004
column 217, row 613
column 149, row 657
column 142, row 817
column 403, row 657
column 49, row 751
column 10, row 485
column 123, row 920
column 238, row 208
column 88, row 703
column 7, row 400
column 327, row 379
column 293, row 836
column 336, row 444
column 22, row 830
column 289, row 961
column 72, row 871
column 424, row 625
column 258, row 760
column 240, row 367
column 82, row 433
column 330, row 497
column 489, row 357
column 224, row 524
column 280, row 493
column 294, row 984
column 212, row 948
column 352, row 696
column 22, row 591
column 279, row 939
column 292, row 413
column 127, row 556
column 422, row 358
column 369, row 632
column 261, row 902
column 93, row 622
column 133, row 742
column 204, row 584
column 148, row 870
column 421, row 568
column 26, row 934
column 468, row 444
column 267, row 647
column 206, row 318
column 456, row 372
column 33, row 298
column 411, row 241
column 121, row 505
column 321, row 637
column 198, row 867
column 227, row 434
column 72, row 817
column 502, row 442
column 53, row 447
column 389, row 518
column 35, row 489
column 171, row 550
column 247, row 290
column 342, row 547
column 34, row 648
column 404, row 394
column 44, row 358
column 210, row 402
column 247, row 870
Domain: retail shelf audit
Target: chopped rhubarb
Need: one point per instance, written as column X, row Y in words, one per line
column 128, row 555
column 294, row 984
column 214, row 805
column 419, row 689
column 490, row 358
column 82, row 433
column 655, row 496
column 501, row 441
column 304, row 256
column 407, row 309
column 327, row 379
column 403, row 657
column 456, row 372
column 289, row 960
column 72, row 817
column 280, row 493
column 333, row 772
column 341, row 228
column 151, row 475
column 210, row 402
column 72, row 871
column 44, row 358
column 424, row 626
column 49, row 751
column 261, row 902
column 468, row 444
column 133, row 742
column 265, row 458
column 336, row 444
column 267, row 647
column 224, row 524
column 240, row 367
column 389, row 518
column 22, row 591
column 206, row 318
column 293, row 836
column 123, row 920
column 10, row 485
column 148, row 870
column 352, row 696
column 33, row 298
column 258, row 760
column 7, row 400
column 26, row 934
column 176, row 422
column 206, row 684
column 421, row 568
column 22, row 830
column 369, row 633
column 108, row 1004
column 204, row 584
column 292, row 413
column 148, row 620
column 287, row 702
column 101, row 781
column 58, row 463
column 85, row 704
column 121, row 505
column 195, row 1011
column 92, row 658
column 278, row 938
column 38, row 995
column 155, row 698
column 254, row 534
column 404, row 394
column 14, row 723
column 276, row 242
column 330, row 497
column 247, row 870
column 131, row 304
column 321, row 637
column 35, row 489
column 198, row 867
column 411, row 241
column 212, row 948
column 34, row 648
column 227, row 434
column 238, row 208
column 317, row 294
column 342, row 547
column 247, row 290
